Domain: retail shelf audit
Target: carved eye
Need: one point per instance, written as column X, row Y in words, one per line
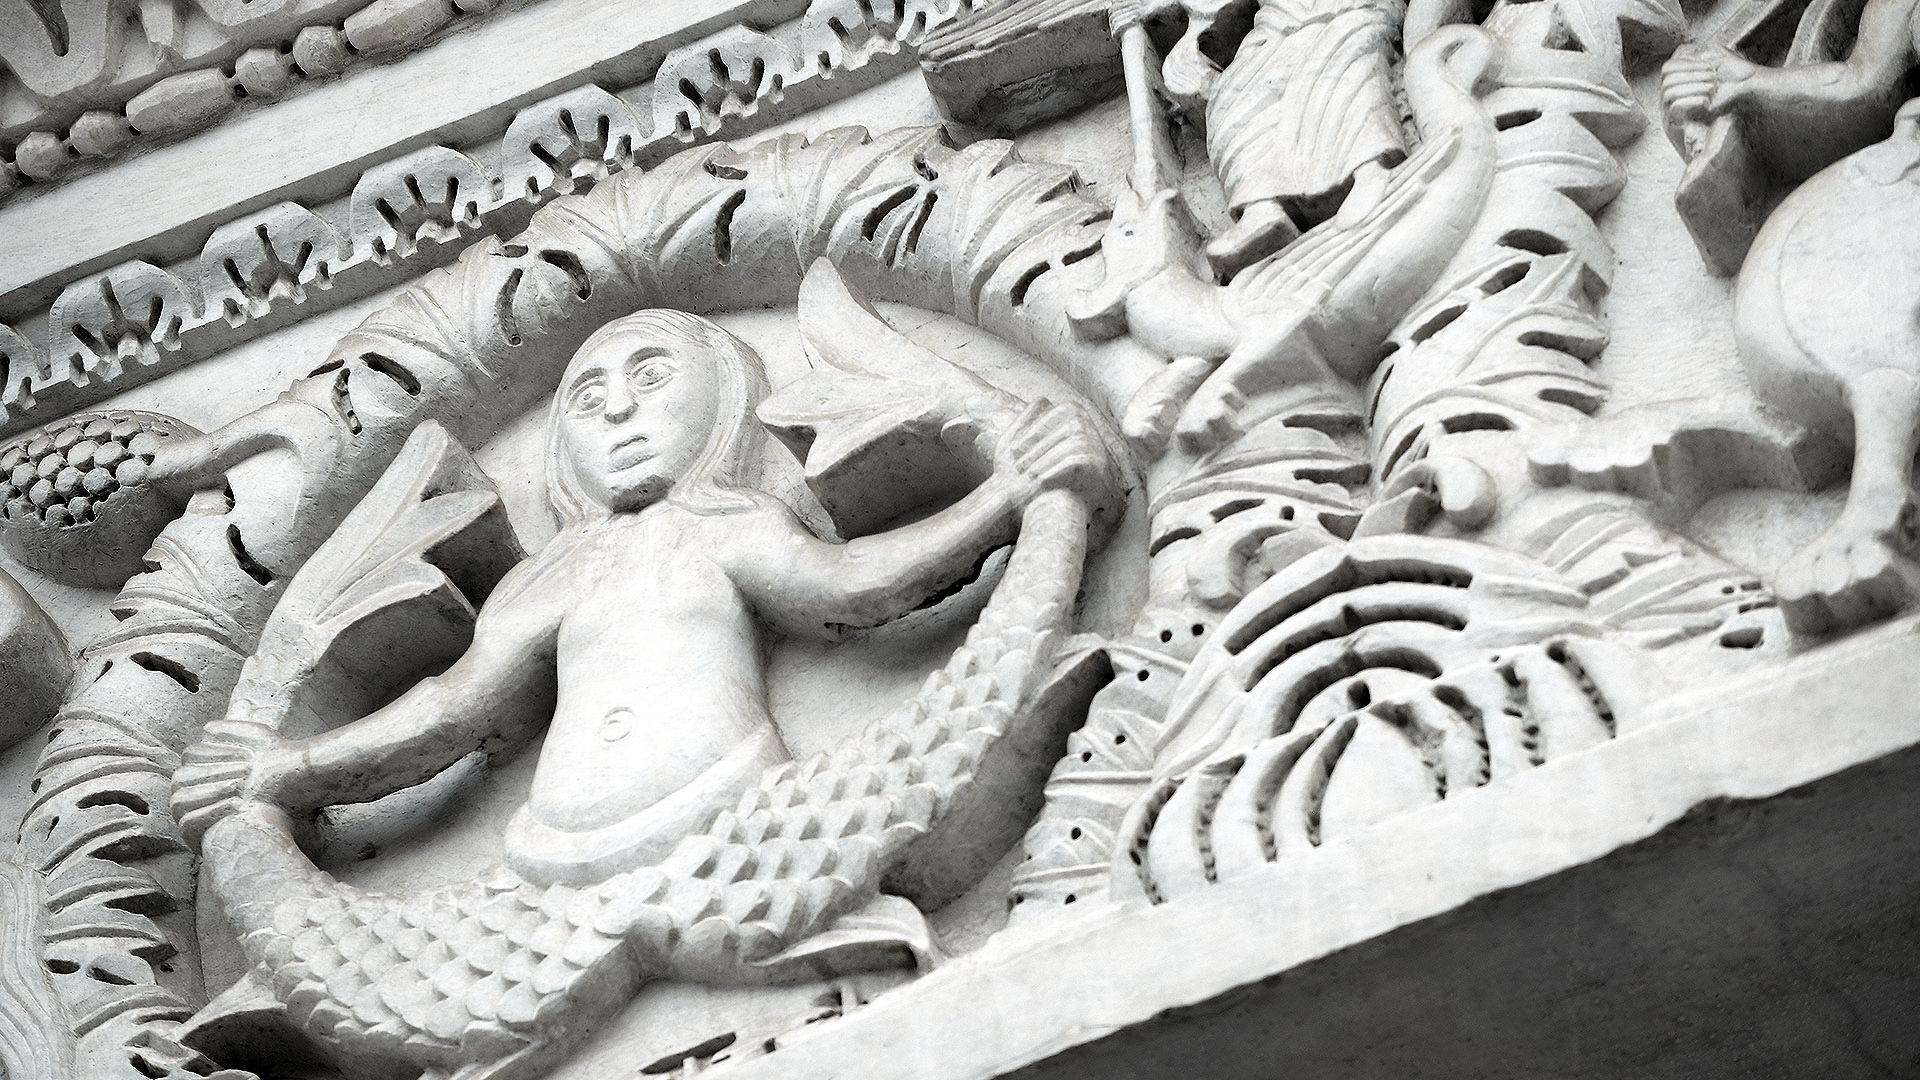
column 652, row 373
column 588, row 397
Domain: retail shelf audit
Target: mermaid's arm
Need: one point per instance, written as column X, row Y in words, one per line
column 495, row 697
column 808, row 587
column 804, row 585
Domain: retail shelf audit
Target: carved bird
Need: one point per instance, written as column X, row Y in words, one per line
column 1320, row 308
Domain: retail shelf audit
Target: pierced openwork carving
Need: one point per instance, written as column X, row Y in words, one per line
column 969, row 231
column 1310, row 421
column 559, row 145
column 1323, row 372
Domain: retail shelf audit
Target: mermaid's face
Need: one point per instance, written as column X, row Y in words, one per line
column 635, row 416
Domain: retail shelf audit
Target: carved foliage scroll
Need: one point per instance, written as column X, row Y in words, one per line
column 971, row 231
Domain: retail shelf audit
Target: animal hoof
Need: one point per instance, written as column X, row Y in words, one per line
column 1211, row 419
column 1263, row 229
column 1845, row 580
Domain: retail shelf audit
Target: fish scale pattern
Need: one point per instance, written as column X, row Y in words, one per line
column 457, row 975
column 474, row 974
column 971, row 231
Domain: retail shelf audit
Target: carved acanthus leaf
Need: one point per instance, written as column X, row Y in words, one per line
column 873, row 385
column 1503, row 349
column 379, row 557
column 1608, row 30
column 1361, row 683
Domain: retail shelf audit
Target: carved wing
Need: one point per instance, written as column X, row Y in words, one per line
column 1305, row 272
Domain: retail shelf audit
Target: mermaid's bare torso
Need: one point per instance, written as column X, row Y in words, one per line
column 661, row 718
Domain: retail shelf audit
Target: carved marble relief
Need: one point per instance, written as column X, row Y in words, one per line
column 103, row 333
column 82, row 81
column 1833, row 361
column 1309, row 664
column 1308, row 502
column 968, row 231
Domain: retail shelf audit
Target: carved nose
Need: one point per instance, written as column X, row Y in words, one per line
column 619, row 405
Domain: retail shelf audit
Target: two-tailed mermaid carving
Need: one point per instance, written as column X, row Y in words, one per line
column 666, row 834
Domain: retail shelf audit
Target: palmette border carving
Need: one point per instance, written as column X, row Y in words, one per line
column 972, row 232
column 105, row 332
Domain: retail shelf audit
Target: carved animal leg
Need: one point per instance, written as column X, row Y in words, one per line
column 1863, row 568
column 1261, row 229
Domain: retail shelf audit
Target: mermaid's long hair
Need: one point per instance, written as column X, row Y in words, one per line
column 720, row 480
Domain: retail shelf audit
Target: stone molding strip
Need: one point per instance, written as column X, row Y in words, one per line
column 1071, row 1005
column 181, row 102
column 313, row 146
column 274, row 266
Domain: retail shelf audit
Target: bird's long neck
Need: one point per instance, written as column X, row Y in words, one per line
column 1444, row 76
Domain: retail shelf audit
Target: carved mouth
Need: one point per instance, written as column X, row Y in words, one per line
column 628, row 452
